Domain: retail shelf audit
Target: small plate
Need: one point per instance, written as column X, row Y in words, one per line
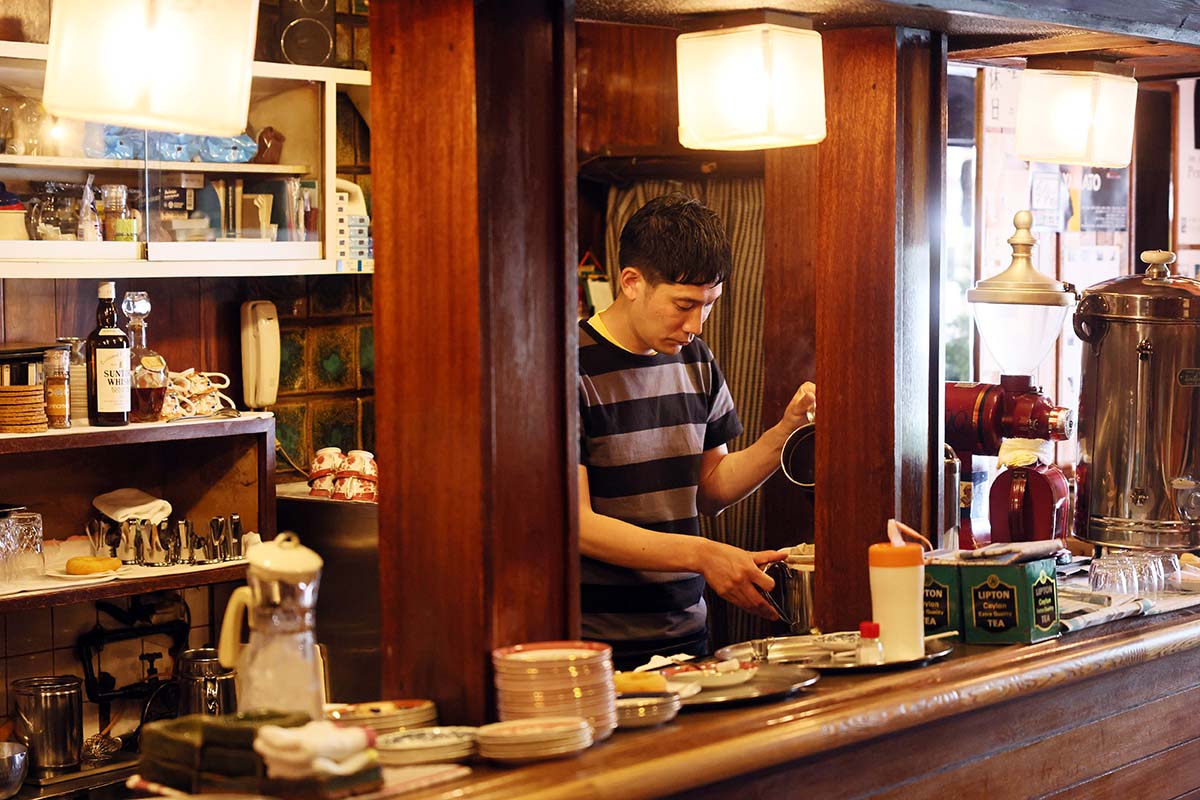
column 63, row 575
column 710, row 678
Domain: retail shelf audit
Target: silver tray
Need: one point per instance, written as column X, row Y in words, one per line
column 771, row 682
column 802, row 651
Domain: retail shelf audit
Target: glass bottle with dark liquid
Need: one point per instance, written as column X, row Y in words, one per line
column 150, row 376
column 107, row 364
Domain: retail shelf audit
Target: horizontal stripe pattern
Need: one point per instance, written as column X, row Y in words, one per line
column 645, row 422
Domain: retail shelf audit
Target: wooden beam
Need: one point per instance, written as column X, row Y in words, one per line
column 474, row 301
column 1067, row 43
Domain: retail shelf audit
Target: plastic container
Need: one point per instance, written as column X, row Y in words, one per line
column 869, row 649
column 897, row 599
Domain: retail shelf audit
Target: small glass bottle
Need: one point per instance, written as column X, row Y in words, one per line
column 870, row 649
column 77, row 378
column 56, row 379
column 150, row 375
column 120, row 225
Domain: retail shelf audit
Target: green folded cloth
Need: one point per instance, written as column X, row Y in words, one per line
column 237, row 731
column 326, row 787
column 173, row 740
column 168, row 773
column 235, row 762
column 211, row 783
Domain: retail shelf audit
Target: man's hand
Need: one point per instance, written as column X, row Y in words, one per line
column 733, row 573
column 801, row 409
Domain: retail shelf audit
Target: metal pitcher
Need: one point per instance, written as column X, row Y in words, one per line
column 48, row 712
column 793, row 594
column 205, row 686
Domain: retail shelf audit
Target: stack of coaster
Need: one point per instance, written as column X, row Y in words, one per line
column 22, row 409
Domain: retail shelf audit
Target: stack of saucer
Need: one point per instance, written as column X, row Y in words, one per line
column 425, row 746
column 22, row 409
column 521, row 741
column 551, row 679
column 386, row 716
column 645, row 710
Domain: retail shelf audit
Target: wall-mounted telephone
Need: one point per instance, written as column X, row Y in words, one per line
column 260, row 353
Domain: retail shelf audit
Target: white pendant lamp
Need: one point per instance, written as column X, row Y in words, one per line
column 751, row 86
column 1077, row 112
column 170, row 65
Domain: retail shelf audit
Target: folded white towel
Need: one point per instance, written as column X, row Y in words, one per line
column 124, row 504
column 318, row 748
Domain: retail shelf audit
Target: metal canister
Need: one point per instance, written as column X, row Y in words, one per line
column 1139, row 410
column 206, row 687
column 49, row 721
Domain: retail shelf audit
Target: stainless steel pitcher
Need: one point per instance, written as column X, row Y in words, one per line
column 1139, row 410
column 49, row 721
column 793, row 595
column 205, row 686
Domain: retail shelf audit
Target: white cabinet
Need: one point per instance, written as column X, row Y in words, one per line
column 50, row 159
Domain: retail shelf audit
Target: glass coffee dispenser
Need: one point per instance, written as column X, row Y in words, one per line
column 280, row 668
column 1138, row 478
column 1019, row 313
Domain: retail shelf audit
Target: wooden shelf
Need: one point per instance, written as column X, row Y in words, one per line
column 101, row 270
column 76, row 438
column 70, row 595
column 59, row 162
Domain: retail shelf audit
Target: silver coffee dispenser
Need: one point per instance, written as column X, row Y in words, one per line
column 1138, row 477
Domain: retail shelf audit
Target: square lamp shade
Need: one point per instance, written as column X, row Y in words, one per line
column 750, row 88
column 1075, row 117
column 171, row 65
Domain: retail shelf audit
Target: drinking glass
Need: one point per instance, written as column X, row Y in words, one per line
column 1113, row 574
column 30, row 558
column 8, row 547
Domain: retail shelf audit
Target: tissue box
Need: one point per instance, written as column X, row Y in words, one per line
column 1005, row 603
column 943, row 599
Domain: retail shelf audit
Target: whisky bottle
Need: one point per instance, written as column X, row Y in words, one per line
column 108, row 364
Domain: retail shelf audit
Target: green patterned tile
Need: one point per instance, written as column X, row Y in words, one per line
column 332, row 358
column 293, row 377
column 366, row 356
column 291, row 429
column 365, row 294
column 335, row 424
column 366, row 423
column 331, row 296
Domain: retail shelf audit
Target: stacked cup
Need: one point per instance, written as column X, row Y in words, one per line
column 357, row 478
column 555, row 679
column 323, row 473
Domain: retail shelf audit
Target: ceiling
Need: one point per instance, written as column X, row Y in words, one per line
column 1166, row 44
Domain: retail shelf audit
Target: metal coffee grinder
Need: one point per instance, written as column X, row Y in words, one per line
column 1019, row 313
column 1138, row 475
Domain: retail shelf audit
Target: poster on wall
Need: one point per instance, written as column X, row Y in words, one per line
column 1187, row 174
column 1104, row 199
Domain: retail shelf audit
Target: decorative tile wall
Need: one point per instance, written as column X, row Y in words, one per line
column 327, row 367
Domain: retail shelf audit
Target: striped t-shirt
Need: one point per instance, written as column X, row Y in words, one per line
column 645, row 421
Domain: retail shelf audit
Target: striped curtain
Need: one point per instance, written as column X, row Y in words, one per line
column 734, row 332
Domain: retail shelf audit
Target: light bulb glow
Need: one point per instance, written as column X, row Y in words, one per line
column 1074, row 117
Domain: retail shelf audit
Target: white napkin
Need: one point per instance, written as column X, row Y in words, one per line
column 124, row 504
column 658, row 662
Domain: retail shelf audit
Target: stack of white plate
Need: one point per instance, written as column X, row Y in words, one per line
column 385, row 716
column 645, row 710
column 522, row 741
column 425, row 746
column 551, row 679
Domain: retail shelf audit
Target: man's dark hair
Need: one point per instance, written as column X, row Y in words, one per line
column 677, row 239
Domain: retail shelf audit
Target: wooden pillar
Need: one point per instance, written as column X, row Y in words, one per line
column 474, row 215
column 852, row 240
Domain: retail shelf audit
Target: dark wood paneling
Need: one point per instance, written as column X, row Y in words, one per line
column 1151, row 172
column 627, row 84
column 791, row 206
column 29, row 311
column 872, row 306
column 472, row 321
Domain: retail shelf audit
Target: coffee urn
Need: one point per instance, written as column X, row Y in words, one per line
column 1139, row 410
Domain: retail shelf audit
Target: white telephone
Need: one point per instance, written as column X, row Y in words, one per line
column 260, row 353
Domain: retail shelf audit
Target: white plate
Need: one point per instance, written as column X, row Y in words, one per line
column 109, row 574
column 707, row 679
column 426, row 738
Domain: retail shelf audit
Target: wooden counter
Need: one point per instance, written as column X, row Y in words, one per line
column 1109, row 712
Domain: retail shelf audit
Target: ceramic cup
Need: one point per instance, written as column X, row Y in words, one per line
column 359, row 463
column 323, row 473
column 353, row 487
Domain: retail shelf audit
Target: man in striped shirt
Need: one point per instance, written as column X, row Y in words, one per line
column 655, row 419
